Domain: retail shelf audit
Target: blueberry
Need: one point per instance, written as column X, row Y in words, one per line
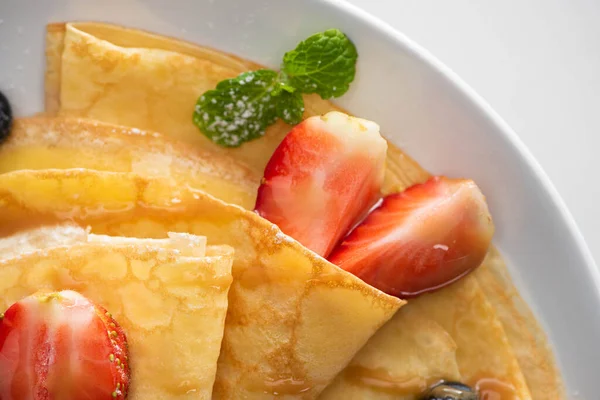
column 6, row 117
column 445, row 390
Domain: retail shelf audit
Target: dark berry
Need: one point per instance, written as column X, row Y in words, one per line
column 444, row 390
column 6, row 117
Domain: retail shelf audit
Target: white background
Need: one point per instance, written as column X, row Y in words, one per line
column 537, row 63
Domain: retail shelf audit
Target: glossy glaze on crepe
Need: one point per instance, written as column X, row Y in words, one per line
column 41, row 142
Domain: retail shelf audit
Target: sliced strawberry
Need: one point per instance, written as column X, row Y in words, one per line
column 322, row 179
column 61, row 346
column 421, row 239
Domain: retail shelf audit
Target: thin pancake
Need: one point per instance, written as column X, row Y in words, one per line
column 42, row 142
column 294, row 320
column 141, row 85
column 170, row 297
column 484, row 357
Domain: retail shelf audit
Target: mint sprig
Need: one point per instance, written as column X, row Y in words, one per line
column 240, row 109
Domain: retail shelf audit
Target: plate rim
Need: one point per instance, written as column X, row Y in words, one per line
column 486, row 110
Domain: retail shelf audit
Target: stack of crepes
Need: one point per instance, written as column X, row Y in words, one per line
column 296, row 326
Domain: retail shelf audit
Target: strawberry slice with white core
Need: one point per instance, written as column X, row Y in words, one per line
column 323, row 178
column 421, row 239
column 61, row 346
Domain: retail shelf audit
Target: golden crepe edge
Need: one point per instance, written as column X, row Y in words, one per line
column 65, row 142
column 55, row 33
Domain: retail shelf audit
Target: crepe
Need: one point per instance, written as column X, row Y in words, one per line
column 169, row 296
column 465, row 327
column 41, row 142
column 147, row 87
column 294, row 320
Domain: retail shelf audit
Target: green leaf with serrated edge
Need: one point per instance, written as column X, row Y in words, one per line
column 238, row 109
column 290, row 107
column 241, row 109
column 325, row 64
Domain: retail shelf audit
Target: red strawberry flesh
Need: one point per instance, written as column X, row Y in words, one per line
column 61, row 346
column 323, row 178
column 421, row 239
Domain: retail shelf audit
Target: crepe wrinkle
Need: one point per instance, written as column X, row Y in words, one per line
column 42, row 142
column 294, row 320
column 172, row 305
column 88, row 45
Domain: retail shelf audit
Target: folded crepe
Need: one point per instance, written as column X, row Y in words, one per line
column 41, row 142
column 134, row 78
column 168, row 295
column 465, row 327
column 294, row 320
column 108, row 72
column 481, row 320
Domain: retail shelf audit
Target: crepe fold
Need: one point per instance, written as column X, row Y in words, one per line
column 147, row 81
column 169, row 296
column 399, row 362
column 451, row 334
column 42, row 142
column 294, row 320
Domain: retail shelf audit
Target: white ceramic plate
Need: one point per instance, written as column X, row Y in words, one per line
column 418, row 102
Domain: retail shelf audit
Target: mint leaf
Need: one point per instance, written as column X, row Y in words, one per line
column 242, row 108
column 290, row 107
column 325, row 64
column 238, row 109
